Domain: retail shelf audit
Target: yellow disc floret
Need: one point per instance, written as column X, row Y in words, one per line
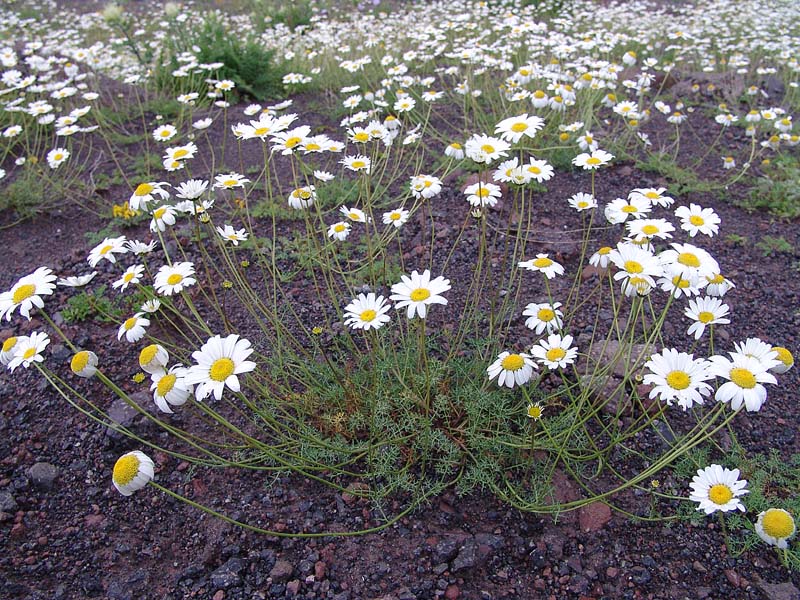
column 720, row 494
column 678, row 380
column 512, row 362
column 79, row 361
column 125, row 469
column 743, row 378
column 221, row 369
column 778, row 523
column 23, row 292
column 420, row 294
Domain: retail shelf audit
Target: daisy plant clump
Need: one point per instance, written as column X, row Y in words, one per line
column 378, row 300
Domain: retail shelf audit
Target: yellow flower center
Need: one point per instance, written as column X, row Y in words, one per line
column 705, row 317
column 631, row 266
column 130, row 323
column 29, row 353
column 629, row 208
column 180, row 153
column 106, row 249
column 678, row 380
column 563, row 136
column 368, row 315
column 9, row 343
column 355, row 216
column 143, row 189
column 696, row 220
column 604, row 250
column 358, row 164
column 174, row 279
column 743, row 378
column 538, row 94
column 679, row 282
column 158, row 213
column 261, row 131
column 482, row 192
column 720, row 494
column 519, row 127
column 128, row 277
column 395, row 216
column 718, row 278
column 487, row 148
column 784, row 355
column 221, row 369
column 125, row 469
column 778, row 523
column 229, row 182
column 58, row 156
column 455, row 146
column 535, row 412
column 23, row 292
column 593, row 160
column 79, row 361
column 649, row 229
column 545, row 314
column 534, row 169
column 652, row 195
column 512, row 362
column 542, row 263
column 147, row 354
column 165, row 384
column 339, row 227
column 312, row 146
column 555, row 354
column 688, row 259
column 420, row 294
column 361, row 136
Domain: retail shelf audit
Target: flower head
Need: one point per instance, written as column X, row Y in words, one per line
column 170, row 388
column 543, row 316
column 133, row 328
column 106, row 250
column 171, row 279
column 716, row 488
column 132, row 472
column 745, row 377
column 775, row 526
column 28, row 350
column 544, row 264
column 592, row 161
column 418, row 291
column 555, row 352
column 511, row 369
column 27, row 292
column 367, row 312
column 678, row 377
column 84, row 363
column 219, row 362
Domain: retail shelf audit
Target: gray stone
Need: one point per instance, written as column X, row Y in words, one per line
column 467, row 556
column 7, row 502
column 122, row 414
column 227, row 576
column 42, row 475
column 282, row 571
column 779, row 591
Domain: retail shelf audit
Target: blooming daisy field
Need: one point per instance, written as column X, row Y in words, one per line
column 345, row 300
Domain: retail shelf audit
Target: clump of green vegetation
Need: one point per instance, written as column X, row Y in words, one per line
column 92, row 304
column 771, row 245
column 778, row 192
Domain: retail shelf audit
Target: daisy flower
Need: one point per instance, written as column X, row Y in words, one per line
column 191, row 189
column 618, row 210
column 775, row 526
column 543, row 317
column 228, row 233
column 287, row 141
column 170, row 388
column 367, row 312
column 417, row 291
column 106, row 250
column 745, row 377
column 544, row 264
column 153, row 358
column 425, row 186
column 696, row 219
column 679, row 283
column 230, row 180
column 164, row 133
column 357, row 163
column 184, row 152
column 535, row 411
column 57, row 156
column 163, row 216
column 717, row 285
column 76, row 281
column 716, row 488
column 151, row 306
column 511, row 369
column 354, row 214
column 9, row 348
column 396, row 217
column 132, row 472
column 219, row 362
column 28, row 350
column 302, row 197
column 84, row 363
column 705, row 311
column 538, row 170
column 582, row 201
column 592, row 161
column 139, row 248
column 678, row 377
column 646, row 229
column 485, row 149
column 482, row 194
column 555, row 352
column 600, row 259
column 323, row 175
column 513, row 128
column 637, row 268
column 171, row 279
column 653, row 195
column 339, row 231
column 454, row 151
column 145, row 193
column 785, row 360
column 133, row 329
column 131, row 276
column 27, row 292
